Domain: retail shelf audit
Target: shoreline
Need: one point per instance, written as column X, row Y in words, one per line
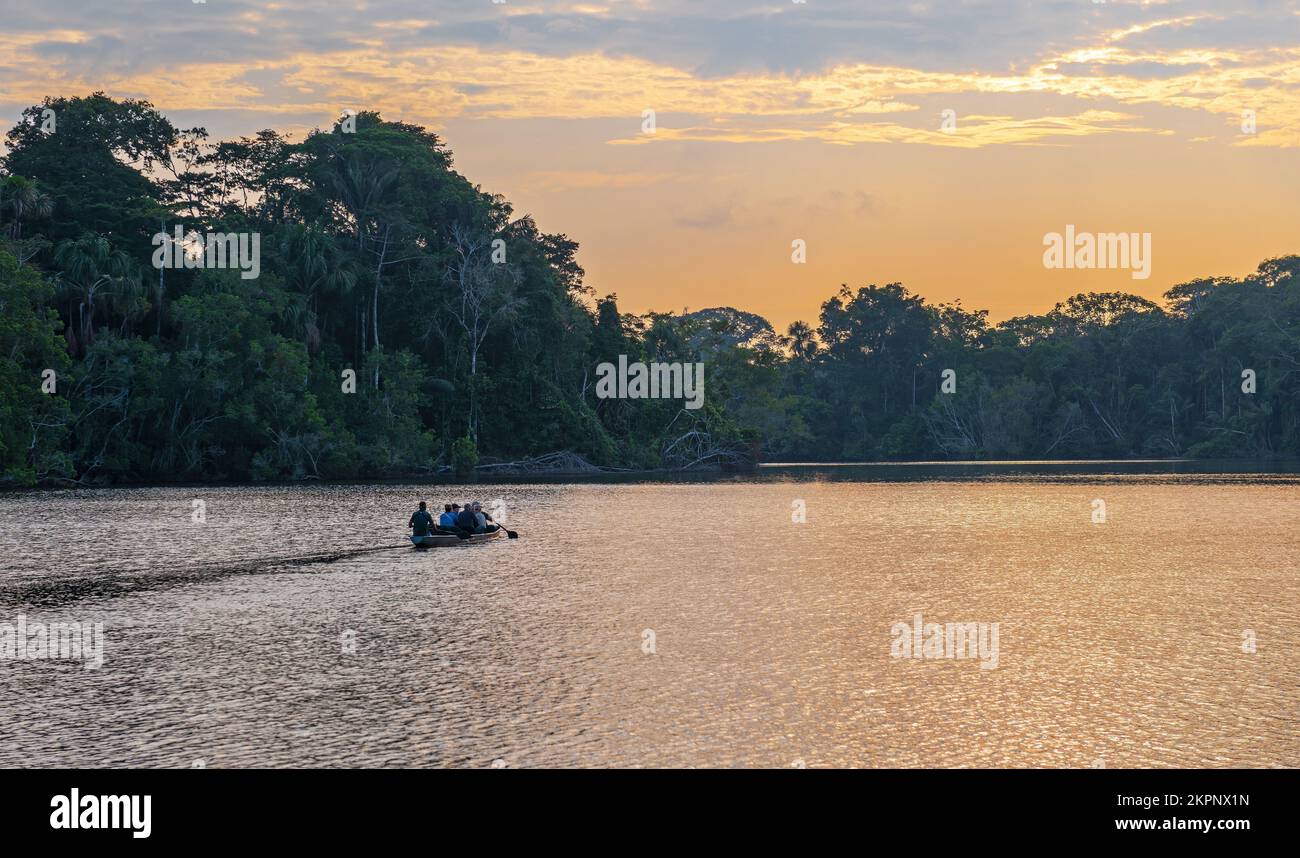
column 1217, row 467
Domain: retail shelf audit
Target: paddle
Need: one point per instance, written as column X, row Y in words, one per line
column 510, row 534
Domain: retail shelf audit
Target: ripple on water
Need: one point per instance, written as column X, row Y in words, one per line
column 294, row 628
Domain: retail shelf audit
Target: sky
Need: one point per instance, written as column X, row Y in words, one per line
column 930, row 143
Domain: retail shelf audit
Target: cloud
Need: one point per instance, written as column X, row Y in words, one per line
column 970, row 131
column 829, row 71
column 715, row 217
column 1141, row 70
column 708, row 38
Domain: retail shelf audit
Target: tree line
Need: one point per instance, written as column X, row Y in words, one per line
column 405, row 321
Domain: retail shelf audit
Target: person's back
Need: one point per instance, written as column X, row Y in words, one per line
column 466, row 520
column 421, row 521
column 448, row 518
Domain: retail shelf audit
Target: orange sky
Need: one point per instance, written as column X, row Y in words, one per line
column 774, row 122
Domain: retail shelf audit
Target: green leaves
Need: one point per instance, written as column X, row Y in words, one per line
column 457, row 318
column 33, row 423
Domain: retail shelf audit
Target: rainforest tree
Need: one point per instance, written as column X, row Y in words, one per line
column 405, row 320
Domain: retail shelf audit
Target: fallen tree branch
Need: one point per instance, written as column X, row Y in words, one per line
column 559, row 462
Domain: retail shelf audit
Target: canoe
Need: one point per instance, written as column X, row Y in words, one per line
column 435, row 540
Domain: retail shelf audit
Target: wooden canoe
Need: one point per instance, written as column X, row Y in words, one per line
column 435, row 540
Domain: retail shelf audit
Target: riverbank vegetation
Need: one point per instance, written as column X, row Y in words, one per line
column 405, row 322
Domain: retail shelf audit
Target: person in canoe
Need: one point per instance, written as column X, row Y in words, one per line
column 421, row 522
column 447, row 521
column 485, row 522
column 466, row 520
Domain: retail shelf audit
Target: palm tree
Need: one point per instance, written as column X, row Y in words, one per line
column 89, row 267
column 364, row 186
column 313, row 266
column 25, row 199
column 802, row 340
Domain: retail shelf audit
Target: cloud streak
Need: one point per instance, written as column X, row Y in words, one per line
column 775, row 120
column 729, row 72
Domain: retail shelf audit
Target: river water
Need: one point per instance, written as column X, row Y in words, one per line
column 681, row 623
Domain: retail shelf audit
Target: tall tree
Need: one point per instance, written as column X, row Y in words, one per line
column 90, row 268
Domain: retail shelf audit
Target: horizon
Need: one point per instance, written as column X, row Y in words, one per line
column 908, row 146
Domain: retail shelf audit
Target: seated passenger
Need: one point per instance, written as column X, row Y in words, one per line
column 467, row 521
column 447, row 521
column 421, row 522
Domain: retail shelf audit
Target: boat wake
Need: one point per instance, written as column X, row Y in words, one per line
column 54, row 592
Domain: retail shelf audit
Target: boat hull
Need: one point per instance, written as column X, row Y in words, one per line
column 436, row 540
